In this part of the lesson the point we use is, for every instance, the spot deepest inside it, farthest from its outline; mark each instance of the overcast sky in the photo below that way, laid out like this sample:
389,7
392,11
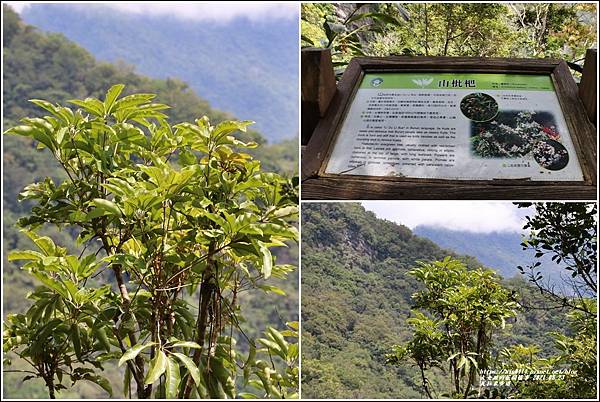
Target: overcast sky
474,216
207,11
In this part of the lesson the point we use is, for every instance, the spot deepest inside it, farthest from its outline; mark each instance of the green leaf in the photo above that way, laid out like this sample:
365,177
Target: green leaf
287,211
473,361
76,338
158,365
172,378
112,94
191,367
95,213
90,105
60,135
132,100
103,339
54,110
43,242
250,361
133,352
127,383
185,344
101,381
267,265
107,206
24,255
274,289
273,347
34,132
276,335
227,127
52,283
24,131
72,289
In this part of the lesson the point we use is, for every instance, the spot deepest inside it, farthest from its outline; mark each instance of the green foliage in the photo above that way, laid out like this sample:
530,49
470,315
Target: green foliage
263,375
344,31
567,232
464,309
354,295
577,356
48,66
163,230
450,29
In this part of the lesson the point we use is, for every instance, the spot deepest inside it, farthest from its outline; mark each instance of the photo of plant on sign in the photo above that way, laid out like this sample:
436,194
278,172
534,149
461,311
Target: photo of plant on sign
515,134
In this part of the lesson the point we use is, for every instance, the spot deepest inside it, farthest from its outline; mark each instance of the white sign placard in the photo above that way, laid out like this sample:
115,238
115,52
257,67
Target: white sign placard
456,126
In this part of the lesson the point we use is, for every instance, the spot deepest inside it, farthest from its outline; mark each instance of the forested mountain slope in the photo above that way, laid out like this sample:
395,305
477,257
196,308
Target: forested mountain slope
356,296
249,68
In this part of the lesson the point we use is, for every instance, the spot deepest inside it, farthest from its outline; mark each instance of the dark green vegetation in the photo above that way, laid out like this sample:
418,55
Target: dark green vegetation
48,66
479,106
451,29
248,68
357,297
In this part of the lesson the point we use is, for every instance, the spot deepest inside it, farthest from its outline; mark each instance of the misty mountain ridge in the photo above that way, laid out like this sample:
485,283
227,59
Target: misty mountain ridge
245,67
499,250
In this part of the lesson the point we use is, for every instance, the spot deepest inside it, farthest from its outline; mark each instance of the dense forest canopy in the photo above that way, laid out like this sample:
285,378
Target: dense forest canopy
557,30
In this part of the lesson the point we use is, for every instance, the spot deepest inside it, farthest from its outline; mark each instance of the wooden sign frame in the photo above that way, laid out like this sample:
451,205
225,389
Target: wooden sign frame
316,184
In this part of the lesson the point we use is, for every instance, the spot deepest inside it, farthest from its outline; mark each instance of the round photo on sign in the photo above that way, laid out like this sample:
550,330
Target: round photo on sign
551,154
479,107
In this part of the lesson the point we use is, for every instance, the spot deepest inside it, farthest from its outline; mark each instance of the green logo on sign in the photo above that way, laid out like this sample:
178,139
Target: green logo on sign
376,82
423,82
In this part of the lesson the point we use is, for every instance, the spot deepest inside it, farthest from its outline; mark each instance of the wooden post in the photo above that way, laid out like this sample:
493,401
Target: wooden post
317,87
588,86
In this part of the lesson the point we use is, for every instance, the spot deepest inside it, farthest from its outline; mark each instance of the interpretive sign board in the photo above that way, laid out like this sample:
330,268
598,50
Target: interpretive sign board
456,126
485,122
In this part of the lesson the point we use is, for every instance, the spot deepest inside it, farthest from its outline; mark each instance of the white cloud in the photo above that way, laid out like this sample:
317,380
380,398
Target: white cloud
473,216
212,11
18,6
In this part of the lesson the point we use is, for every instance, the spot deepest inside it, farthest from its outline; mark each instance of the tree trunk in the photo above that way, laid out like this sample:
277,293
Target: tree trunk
424,380
50,384
448,28
207,288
